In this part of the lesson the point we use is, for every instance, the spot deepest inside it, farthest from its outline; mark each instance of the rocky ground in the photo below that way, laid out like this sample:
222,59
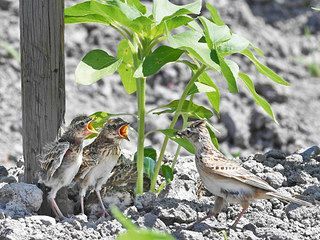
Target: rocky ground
177,208
287,30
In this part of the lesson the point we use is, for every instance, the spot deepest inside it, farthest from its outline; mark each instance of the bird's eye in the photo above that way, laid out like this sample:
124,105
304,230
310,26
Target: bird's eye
188,131
82,124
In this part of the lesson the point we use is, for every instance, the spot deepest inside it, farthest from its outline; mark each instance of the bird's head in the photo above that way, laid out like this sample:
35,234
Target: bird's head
116,128
197,133
80,127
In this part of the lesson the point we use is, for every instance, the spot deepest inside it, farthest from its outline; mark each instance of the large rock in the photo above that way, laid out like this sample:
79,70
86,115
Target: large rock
20,199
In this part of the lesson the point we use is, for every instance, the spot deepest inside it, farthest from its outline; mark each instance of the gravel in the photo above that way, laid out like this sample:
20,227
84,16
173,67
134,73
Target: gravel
287,30
178,207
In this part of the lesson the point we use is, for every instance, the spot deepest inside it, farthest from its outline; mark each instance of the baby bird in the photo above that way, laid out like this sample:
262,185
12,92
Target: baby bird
60,160
224,178
100,157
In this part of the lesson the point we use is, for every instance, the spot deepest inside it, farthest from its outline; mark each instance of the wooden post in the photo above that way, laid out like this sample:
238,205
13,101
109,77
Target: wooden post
42,77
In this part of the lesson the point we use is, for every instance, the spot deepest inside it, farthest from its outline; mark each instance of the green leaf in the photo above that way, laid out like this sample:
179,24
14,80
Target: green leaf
172,134
126,68
150,152
115,12
189,108
215,16
99,119
264,69
148,166
233,67
161,56
133,231
149,161
142,25
257,98
226,71
125,222
203,88
214,33
235,44
167,172
163,9
189,41
120,7
138,5
83,13
170,24
213,97
95,65
144,234
213,137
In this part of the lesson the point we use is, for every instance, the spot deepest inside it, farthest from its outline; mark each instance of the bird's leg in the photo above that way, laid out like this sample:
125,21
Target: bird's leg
104,211
51,198
82,205
82,194
218,205
245,206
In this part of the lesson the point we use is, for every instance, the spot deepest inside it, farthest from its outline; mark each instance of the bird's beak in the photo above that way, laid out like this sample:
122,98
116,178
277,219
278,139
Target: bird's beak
90,129
123,131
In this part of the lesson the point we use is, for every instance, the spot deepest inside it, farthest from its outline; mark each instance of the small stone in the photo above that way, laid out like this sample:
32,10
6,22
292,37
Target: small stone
276,154
249,235
46,220
3,172
259,157
250,227
22,198
278,168
189,235
310,153
5,4
275,179
145,200
9,179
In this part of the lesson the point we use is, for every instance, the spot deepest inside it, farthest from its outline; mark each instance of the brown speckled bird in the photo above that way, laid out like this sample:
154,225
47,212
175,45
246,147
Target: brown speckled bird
226,179
100,157
60,160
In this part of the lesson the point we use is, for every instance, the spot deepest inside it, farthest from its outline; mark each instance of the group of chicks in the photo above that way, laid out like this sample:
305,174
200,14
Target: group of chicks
66,159
91,166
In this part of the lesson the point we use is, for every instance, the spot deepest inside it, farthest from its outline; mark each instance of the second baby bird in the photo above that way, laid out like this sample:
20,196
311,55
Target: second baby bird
100,157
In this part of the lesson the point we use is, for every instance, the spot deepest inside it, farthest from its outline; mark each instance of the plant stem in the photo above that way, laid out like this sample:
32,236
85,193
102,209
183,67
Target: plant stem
141,85
184,125
174,121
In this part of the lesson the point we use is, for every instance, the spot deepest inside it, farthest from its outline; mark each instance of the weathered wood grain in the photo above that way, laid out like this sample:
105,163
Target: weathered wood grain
42,77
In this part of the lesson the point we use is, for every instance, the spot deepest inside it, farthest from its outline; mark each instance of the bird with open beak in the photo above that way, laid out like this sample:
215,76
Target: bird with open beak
61,160
226,179
100,157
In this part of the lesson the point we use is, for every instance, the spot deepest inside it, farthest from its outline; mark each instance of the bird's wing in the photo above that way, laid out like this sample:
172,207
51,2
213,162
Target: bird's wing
89,160
52,157
228,168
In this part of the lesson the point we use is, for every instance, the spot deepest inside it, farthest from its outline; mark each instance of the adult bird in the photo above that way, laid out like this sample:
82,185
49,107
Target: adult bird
100,157
226,179
61,159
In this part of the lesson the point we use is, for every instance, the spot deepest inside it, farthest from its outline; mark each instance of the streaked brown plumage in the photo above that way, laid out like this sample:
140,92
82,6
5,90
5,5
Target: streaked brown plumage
100,157
224,178
61,159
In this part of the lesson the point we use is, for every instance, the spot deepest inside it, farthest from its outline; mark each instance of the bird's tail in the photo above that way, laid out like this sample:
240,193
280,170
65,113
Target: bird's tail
289,199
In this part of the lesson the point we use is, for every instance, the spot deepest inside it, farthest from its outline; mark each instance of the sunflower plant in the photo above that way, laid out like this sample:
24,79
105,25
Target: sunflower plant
149,41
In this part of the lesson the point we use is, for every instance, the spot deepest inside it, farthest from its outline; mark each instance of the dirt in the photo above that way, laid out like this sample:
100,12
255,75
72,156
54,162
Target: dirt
288,32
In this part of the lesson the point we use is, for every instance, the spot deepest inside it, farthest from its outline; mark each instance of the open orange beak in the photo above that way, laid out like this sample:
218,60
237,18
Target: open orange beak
123,131
90,129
